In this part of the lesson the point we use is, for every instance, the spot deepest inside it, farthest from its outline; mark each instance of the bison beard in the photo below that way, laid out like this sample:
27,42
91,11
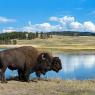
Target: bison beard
56,65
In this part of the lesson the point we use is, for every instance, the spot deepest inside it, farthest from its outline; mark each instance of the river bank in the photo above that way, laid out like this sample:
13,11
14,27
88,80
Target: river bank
49,87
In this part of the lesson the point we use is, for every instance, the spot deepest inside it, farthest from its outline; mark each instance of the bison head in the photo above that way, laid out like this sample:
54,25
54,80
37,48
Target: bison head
56,64
44,62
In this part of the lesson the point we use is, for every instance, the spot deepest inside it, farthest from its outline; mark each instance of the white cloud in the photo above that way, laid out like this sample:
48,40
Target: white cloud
60,24
6,20
54,19
64,22
65,19
76,25
89,26
45,27
8,29
37,27
57,28
27,28
70,23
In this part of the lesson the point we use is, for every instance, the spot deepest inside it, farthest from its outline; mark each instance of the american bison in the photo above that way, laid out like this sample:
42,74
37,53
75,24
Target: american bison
26,60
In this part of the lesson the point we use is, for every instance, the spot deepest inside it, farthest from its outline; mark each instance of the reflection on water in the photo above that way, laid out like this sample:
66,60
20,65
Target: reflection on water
75,66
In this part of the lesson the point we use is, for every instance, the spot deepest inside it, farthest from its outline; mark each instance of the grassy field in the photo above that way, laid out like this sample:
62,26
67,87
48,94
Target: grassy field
50,87
63,42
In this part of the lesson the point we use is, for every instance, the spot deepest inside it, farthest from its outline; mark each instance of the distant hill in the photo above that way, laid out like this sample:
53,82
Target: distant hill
72,33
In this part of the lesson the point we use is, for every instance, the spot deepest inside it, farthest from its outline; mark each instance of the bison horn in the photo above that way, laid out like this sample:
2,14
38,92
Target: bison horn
43,58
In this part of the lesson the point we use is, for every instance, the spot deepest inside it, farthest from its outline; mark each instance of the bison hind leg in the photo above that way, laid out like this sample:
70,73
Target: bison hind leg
2,75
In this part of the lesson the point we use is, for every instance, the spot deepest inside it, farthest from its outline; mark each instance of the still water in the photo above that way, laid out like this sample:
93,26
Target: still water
75,67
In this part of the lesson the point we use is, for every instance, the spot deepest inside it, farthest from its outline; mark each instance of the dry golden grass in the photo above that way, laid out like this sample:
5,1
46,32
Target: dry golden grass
61,41
64,43
50,87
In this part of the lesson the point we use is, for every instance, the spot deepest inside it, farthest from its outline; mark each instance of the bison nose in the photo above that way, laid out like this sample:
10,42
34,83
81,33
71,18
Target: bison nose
60,68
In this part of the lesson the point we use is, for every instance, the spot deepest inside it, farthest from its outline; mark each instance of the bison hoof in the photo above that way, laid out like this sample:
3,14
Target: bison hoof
34,80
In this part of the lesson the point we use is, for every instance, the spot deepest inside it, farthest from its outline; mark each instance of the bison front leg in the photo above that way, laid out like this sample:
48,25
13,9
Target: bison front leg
27,74
27,78
38,75
20,75
3,79
23,75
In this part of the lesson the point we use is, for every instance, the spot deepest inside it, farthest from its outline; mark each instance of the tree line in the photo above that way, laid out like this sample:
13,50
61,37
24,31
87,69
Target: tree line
12,37
72,33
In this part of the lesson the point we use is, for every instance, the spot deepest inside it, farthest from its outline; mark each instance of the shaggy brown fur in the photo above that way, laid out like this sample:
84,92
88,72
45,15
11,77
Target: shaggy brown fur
26,60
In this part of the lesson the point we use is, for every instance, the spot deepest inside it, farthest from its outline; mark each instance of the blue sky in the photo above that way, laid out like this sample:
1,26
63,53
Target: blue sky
47,15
